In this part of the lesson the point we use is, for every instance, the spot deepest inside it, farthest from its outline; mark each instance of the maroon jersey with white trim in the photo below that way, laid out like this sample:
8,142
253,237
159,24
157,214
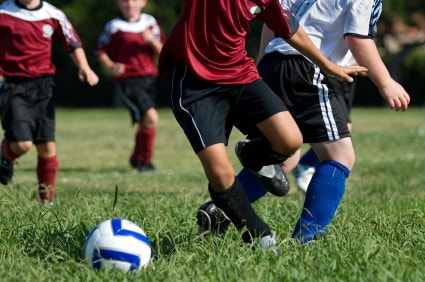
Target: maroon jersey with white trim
26,39
123,42
210,38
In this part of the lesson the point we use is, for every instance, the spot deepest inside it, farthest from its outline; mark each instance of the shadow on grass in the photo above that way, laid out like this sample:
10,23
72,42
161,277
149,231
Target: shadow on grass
72,170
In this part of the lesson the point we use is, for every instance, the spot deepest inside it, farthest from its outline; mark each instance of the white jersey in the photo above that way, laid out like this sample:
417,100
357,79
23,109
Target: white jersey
328,21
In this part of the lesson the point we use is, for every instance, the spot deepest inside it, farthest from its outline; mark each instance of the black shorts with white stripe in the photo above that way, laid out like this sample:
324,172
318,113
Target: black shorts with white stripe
305,91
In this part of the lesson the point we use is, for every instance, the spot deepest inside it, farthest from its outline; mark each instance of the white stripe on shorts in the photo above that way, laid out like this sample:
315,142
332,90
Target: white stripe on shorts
180,100
325,105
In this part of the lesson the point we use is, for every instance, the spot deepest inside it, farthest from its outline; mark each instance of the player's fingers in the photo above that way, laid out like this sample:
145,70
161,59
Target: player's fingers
355,70
404,103
400,104
95,80
81,76
92,79
343,74
391,104
407,97
346,77
88,76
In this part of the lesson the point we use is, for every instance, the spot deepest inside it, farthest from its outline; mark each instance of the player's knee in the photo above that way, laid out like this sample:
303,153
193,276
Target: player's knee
150,119
220,177
21,148
291,145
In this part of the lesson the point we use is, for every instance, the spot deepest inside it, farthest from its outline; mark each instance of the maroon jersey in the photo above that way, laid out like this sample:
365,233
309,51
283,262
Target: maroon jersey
123,42
210,38
26,39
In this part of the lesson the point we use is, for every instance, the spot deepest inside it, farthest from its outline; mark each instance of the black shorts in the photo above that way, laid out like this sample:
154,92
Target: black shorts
138,94
27,110
208,112
344,92
305,92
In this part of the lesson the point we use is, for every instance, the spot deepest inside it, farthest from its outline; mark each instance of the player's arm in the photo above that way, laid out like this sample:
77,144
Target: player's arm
366,54
116,69
155,44
305,46
267,35
85,73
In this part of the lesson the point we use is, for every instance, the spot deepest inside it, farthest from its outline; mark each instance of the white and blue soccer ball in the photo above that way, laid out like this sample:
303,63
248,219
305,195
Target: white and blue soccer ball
117,243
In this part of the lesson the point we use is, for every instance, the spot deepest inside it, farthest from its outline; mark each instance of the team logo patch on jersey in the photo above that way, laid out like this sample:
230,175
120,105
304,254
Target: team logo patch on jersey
47,31
255,11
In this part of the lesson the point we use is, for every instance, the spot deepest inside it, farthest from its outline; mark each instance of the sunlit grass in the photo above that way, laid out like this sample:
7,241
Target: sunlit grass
377,233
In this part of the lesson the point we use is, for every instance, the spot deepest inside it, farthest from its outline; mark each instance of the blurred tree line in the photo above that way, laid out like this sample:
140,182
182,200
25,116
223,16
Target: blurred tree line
90,16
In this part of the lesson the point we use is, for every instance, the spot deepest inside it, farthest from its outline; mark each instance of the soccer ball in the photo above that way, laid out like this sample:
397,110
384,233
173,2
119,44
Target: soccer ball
118,243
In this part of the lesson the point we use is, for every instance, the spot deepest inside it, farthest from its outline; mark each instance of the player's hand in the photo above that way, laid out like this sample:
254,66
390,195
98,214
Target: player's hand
148,35
88,75
345,73
117,69
395,95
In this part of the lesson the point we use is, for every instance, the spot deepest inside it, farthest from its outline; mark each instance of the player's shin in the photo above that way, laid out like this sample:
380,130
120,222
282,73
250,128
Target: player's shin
252,186
322,199
47,168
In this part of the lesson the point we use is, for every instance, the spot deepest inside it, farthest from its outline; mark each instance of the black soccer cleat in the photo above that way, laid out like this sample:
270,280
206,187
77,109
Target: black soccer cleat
238,151
134,164
212,220
142,166
271,176
147,167
273,179
6,170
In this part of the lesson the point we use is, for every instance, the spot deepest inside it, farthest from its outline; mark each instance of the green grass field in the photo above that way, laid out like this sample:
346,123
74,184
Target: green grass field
376,235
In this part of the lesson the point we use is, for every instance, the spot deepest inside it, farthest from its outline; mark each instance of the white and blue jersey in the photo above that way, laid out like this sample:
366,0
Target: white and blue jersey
327,22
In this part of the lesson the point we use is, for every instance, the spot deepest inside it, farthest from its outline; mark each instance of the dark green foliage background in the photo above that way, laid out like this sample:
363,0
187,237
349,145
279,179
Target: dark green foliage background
90,16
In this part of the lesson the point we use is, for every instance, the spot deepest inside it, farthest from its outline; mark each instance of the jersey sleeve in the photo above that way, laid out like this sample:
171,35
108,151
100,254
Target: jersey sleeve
362,17
157,31
67,34
280,20
102,41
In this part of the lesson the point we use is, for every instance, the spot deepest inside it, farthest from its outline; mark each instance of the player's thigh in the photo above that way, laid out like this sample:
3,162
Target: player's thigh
203,111
282,132
136,95
344,93
259,106
43,116
17,122
253,103
312,102
142,92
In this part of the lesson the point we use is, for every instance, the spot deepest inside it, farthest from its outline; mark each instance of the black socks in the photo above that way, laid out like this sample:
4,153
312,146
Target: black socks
236,206
257,153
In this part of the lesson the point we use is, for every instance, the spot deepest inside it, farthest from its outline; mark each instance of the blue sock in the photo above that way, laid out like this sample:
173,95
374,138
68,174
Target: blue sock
252,186
322,199
309,158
